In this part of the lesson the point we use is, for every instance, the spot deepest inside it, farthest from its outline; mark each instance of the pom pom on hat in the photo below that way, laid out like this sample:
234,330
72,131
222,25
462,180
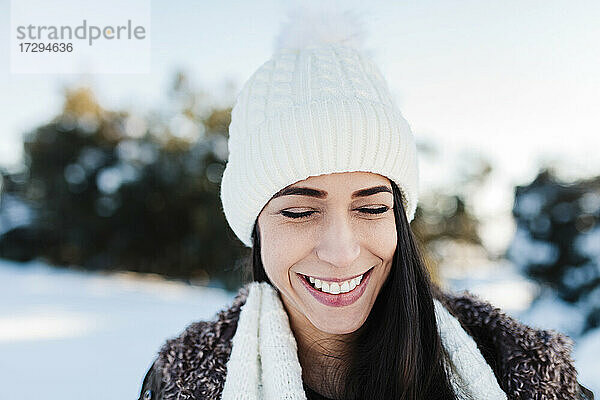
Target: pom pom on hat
320,25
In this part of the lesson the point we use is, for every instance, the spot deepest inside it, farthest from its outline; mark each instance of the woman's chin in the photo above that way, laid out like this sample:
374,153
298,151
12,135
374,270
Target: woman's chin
338,326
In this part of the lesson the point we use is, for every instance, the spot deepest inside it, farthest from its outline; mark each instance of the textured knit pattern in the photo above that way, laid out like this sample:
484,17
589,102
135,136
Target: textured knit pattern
264,320
307,112
528,363
281,369
471,376
263,346
243,370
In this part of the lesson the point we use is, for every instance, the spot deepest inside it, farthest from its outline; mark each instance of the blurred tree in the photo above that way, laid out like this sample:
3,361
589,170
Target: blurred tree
444,222
114,190
557,241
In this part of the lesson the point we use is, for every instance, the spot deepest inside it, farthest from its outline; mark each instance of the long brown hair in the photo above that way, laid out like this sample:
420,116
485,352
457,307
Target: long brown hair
397,352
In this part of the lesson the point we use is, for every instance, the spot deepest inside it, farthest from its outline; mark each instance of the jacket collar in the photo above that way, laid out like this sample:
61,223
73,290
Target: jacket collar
528,363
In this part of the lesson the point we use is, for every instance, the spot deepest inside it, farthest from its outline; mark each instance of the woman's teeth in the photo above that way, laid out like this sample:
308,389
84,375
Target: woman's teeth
334,287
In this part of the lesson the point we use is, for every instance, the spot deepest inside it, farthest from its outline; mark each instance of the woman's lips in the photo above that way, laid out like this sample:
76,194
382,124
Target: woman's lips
341,299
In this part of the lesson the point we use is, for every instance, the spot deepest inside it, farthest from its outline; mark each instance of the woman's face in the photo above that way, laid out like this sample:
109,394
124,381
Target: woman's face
344,231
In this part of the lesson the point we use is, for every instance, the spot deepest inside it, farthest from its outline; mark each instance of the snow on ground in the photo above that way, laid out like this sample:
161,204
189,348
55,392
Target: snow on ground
67,334
77,335
587,352
498,283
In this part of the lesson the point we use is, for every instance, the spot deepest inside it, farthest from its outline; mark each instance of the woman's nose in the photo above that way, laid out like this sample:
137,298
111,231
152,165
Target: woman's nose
338,245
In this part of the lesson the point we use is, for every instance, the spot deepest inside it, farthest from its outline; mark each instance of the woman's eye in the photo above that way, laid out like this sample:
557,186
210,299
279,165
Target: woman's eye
296,215
379,210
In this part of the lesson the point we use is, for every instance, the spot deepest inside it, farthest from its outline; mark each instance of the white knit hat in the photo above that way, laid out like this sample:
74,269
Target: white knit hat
318,106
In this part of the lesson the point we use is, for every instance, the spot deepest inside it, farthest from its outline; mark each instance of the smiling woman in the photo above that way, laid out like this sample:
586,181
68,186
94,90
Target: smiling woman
353,224
321,183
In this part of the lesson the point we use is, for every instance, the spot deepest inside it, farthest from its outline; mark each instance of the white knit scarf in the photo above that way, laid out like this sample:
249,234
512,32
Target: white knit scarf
264,361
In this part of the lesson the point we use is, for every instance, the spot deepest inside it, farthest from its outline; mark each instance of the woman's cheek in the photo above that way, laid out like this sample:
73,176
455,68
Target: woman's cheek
281,248
381,239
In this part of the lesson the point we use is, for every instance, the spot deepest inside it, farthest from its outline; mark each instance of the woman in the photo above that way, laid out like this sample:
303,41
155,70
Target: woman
321,182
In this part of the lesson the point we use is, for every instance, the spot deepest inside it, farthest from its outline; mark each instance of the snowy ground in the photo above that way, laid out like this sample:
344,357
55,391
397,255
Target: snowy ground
73,335
79,335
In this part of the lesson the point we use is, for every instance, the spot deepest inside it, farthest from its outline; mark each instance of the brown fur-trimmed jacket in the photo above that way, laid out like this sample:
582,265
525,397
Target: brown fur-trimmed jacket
528,363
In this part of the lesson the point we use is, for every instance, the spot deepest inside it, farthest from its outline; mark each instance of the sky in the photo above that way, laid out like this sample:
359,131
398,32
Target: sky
517,82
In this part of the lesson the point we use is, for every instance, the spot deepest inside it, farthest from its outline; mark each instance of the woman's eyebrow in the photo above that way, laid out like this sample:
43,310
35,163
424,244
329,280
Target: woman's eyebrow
371,191
321,194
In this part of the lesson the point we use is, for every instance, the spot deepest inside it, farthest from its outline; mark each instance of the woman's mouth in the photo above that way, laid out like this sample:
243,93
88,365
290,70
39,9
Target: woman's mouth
336,294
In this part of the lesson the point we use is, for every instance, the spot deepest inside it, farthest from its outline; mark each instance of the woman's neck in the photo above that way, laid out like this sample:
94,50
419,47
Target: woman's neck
323,356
